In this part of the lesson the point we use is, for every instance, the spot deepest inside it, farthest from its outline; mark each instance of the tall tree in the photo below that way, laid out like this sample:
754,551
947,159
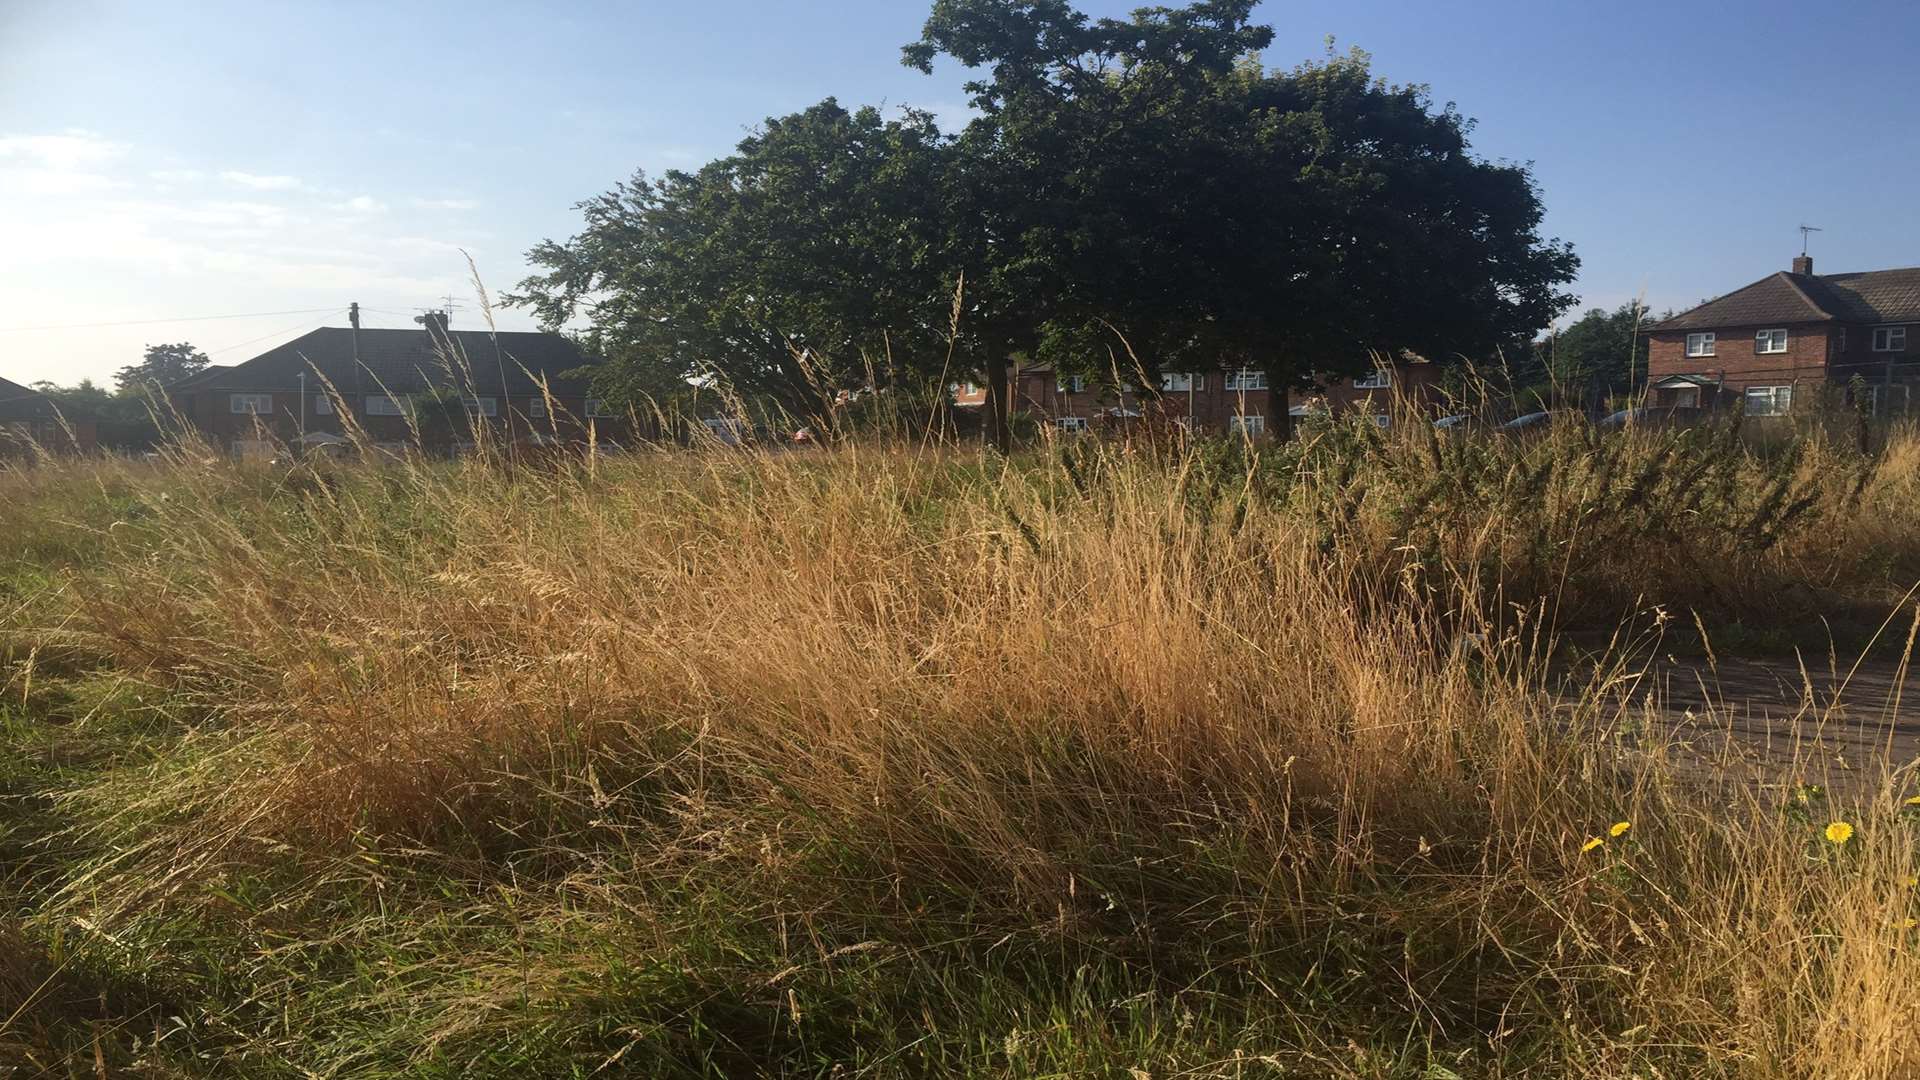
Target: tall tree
788,270
161,365
1597,356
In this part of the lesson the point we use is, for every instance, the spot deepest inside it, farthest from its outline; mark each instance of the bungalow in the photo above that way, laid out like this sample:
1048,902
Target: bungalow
30,419
1769,344
434,381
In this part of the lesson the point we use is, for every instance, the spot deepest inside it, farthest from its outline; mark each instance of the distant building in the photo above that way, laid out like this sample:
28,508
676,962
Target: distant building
1207,402
29,419
1769,344
394,382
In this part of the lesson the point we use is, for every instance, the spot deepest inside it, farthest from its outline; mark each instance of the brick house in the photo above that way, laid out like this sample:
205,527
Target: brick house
29,419
442,382
1213,402
1774,342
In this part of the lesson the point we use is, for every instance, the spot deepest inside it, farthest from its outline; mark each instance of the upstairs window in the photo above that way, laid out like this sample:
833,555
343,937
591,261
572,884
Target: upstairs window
386,405
482,406
1770,341
1379,380
1889,339
251,404
537,408
1769,400
1699,344
599,409
1181,382
1246,380
1071,384
323,405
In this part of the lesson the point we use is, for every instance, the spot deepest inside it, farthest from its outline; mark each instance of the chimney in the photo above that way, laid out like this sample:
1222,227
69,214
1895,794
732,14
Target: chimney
1803,264
435,323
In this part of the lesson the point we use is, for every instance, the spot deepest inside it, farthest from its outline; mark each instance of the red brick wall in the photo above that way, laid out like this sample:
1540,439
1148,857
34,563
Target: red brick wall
1736,363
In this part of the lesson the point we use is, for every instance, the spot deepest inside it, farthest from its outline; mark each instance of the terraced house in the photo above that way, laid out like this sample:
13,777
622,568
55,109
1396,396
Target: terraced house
526,388
30,422
1770,345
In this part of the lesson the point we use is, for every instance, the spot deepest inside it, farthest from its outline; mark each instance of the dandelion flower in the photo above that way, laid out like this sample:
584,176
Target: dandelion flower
1839,832
1619,827
1592,842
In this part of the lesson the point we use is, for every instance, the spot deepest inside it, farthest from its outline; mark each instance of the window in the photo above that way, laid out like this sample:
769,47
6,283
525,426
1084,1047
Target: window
322,405
252,449
1379,380
482,406
1889,339
1074,424
1071,384
965,389
1770,341
600,410
1699,344
1382,420
1183,381
1840,340
1246,380
386,405
251,404
1251,426
1769,400
537,407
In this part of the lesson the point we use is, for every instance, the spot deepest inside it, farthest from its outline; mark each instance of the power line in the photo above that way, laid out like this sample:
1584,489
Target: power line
179,319
301,325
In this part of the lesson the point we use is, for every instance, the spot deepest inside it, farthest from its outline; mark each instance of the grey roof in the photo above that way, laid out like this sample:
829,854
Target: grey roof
23,402
409,361
1874,296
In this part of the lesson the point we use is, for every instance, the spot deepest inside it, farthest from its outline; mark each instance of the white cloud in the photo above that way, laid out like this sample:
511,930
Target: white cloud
70,149
447,204
177,176
362,204
257,182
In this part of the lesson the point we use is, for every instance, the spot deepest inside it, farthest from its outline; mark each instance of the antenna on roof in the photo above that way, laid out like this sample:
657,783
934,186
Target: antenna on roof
1807,231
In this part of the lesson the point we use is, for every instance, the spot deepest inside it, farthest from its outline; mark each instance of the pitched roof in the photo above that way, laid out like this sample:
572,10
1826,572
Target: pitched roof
408,361
18,401
10,390
1875,296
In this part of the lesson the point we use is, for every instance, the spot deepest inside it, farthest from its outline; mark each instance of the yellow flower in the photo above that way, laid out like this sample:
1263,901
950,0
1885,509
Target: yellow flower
1914,801
1909,924
1592,843
1913,882
1839,832
1619,827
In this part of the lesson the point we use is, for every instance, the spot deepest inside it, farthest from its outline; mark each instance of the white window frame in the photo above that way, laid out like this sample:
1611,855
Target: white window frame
1246,379
1073,425
1382,420
1769,342
1778,400
1182,382
1890,339
597,409
1700,344
1381,379
386,405
250,404
537,408
484,406
1840,339
1070,384
322,404
1251,425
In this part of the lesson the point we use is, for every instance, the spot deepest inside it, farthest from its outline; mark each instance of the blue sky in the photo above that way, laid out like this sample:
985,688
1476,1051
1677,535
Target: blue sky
159,161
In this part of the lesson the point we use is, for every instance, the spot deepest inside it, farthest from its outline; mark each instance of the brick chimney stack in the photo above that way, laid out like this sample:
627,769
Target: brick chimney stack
1803,264
435,323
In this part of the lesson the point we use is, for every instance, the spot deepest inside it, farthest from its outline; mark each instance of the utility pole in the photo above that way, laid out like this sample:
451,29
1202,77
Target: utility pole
353,321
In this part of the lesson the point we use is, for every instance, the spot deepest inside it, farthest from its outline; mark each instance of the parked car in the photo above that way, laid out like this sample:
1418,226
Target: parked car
1532,421
1648,417
1448,423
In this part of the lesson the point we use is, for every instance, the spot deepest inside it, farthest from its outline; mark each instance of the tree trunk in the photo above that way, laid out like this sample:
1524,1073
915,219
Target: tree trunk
1279,408
999,427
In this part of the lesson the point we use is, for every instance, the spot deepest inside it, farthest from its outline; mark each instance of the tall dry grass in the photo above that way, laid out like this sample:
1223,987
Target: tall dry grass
918,761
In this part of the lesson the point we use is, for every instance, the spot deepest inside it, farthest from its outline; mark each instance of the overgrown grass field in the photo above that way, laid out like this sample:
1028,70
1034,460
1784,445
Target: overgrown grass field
894,760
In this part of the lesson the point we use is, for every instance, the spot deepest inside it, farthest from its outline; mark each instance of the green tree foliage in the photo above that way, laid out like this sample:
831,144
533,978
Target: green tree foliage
1136,192
1596,358
161,365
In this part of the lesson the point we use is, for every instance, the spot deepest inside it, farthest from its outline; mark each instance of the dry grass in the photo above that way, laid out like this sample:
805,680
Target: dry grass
915,762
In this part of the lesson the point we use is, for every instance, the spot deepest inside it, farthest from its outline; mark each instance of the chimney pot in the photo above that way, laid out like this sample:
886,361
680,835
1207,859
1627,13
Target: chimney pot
1803,264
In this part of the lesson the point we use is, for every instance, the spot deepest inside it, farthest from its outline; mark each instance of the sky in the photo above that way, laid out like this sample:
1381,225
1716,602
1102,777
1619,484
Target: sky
268,163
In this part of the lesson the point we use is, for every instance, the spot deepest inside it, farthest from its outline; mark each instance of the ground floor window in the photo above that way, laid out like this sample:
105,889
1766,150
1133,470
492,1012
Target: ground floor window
1250,426
252,448
1886,400
1769,400
1074,424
